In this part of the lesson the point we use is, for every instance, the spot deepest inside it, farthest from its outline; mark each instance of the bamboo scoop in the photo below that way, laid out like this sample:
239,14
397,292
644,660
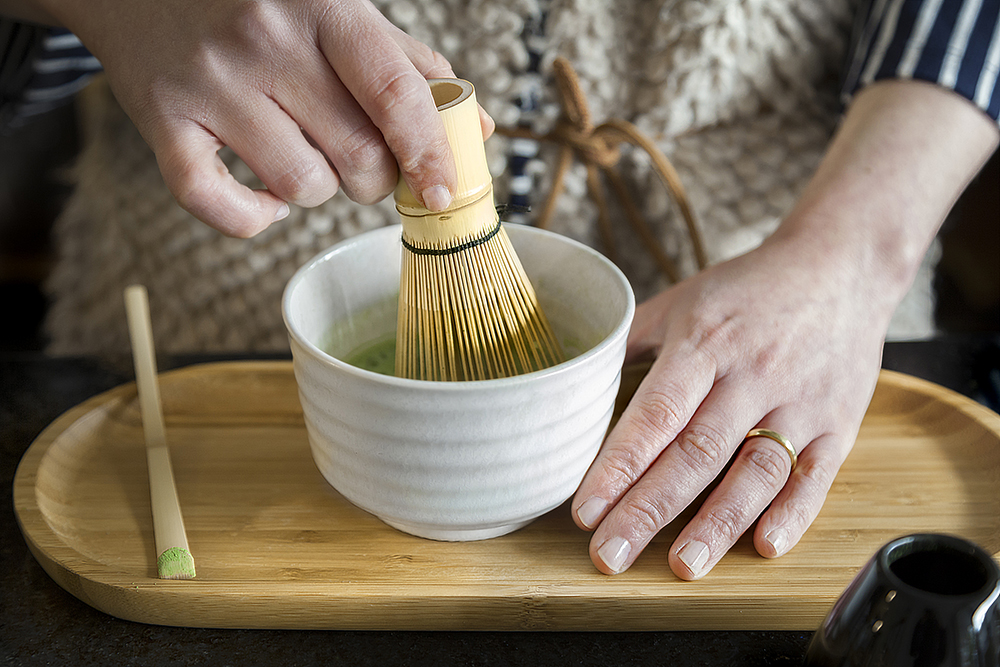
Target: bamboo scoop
173,556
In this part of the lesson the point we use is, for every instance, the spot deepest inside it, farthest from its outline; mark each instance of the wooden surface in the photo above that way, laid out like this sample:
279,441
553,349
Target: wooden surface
276,547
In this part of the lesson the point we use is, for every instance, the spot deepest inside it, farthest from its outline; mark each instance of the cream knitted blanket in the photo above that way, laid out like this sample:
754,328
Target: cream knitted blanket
739,95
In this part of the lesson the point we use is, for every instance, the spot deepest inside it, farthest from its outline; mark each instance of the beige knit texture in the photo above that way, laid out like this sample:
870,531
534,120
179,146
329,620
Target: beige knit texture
739,95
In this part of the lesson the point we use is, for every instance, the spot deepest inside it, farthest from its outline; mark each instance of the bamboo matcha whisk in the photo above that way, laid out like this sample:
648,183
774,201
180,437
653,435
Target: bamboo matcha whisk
467,310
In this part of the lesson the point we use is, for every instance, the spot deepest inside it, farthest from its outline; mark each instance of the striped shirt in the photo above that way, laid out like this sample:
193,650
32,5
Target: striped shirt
953,43
40,69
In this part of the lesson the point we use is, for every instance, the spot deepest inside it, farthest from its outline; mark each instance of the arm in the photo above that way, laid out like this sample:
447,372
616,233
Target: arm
313,95
787,337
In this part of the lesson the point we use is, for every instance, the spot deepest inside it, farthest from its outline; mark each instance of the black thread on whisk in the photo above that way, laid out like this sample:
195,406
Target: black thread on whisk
438,252
502,210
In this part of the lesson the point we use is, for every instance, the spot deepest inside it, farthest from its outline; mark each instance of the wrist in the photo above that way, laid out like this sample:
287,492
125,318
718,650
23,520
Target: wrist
903,155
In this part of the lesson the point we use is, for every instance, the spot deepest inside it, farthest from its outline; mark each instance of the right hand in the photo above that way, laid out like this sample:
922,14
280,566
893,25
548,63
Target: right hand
313,95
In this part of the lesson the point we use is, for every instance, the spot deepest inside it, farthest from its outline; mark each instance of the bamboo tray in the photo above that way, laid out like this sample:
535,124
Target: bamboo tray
276,547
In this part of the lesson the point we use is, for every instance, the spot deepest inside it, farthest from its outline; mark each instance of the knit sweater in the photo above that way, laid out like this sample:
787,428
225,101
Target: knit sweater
741,96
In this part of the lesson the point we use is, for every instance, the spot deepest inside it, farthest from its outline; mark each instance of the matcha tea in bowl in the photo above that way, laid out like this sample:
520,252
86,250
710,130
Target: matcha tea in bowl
459,460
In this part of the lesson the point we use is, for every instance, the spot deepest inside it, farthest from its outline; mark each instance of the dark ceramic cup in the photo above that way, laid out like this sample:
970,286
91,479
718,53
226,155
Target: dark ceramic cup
921,601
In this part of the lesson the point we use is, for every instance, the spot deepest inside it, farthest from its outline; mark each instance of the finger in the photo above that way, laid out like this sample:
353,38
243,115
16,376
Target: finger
395,95
487,123
757,474
681,472
273,146
335,121
200,182
432,65
427,61
662,405
800,500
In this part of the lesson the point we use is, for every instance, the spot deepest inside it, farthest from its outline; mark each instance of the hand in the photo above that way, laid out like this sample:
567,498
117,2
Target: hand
787,337
774,339
313,95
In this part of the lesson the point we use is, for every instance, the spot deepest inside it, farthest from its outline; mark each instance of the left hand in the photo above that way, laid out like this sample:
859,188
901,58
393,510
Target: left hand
782,338
787,337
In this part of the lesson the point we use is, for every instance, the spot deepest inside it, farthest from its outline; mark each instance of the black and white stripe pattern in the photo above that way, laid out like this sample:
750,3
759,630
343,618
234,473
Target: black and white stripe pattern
953,43
40,69
523,161
19,43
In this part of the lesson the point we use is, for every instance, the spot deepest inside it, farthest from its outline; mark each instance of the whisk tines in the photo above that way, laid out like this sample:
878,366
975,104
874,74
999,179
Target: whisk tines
467,310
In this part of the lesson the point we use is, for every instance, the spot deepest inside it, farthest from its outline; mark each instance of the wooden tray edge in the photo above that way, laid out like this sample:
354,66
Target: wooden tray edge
527,610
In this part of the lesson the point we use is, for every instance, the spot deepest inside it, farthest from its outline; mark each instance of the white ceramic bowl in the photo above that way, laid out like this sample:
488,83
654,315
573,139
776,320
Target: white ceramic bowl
455,460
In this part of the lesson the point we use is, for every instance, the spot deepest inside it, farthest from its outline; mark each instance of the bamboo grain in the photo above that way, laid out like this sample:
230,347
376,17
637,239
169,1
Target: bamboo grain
279,548
168,522
467,310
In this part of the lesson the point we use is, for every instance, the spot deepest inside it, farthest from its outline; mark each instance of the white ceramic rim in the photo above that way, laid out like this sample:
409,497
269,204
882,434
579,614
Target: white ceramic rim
440,385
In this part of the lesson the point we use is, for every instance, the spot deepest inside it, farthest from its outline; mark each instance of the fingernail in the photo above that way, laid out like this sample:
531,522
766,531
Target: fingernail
281,213
694,555
614,552
591,511
436,198
778,539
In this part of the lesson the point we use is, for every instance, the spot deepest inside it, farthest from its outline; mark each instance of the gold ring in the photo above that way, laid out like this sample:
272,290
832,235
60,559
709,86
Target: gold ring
778,438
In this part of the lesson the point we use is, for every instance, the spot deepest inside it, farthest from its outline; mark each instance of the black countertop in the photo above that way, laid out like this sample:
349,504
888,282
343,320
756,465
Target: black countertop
41,624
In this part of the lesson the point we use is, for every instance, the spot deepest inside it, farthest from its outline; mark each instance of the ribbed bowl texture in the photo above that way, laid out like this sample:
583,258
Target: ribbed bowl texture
455,460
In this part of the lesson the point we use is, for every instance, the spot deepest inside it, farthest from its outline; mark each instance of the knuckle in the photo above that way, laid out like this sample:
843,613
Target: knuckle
192,190
813,478
405,95
796,515
702,447
658,411
429,63
647,514
431,155
201,197
306,183
712,331
767,361
768,465
817,474
366,194
256,23
801,515
204,193
368,169
212,62
623,464
439,65
399,88
725,521
364,149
